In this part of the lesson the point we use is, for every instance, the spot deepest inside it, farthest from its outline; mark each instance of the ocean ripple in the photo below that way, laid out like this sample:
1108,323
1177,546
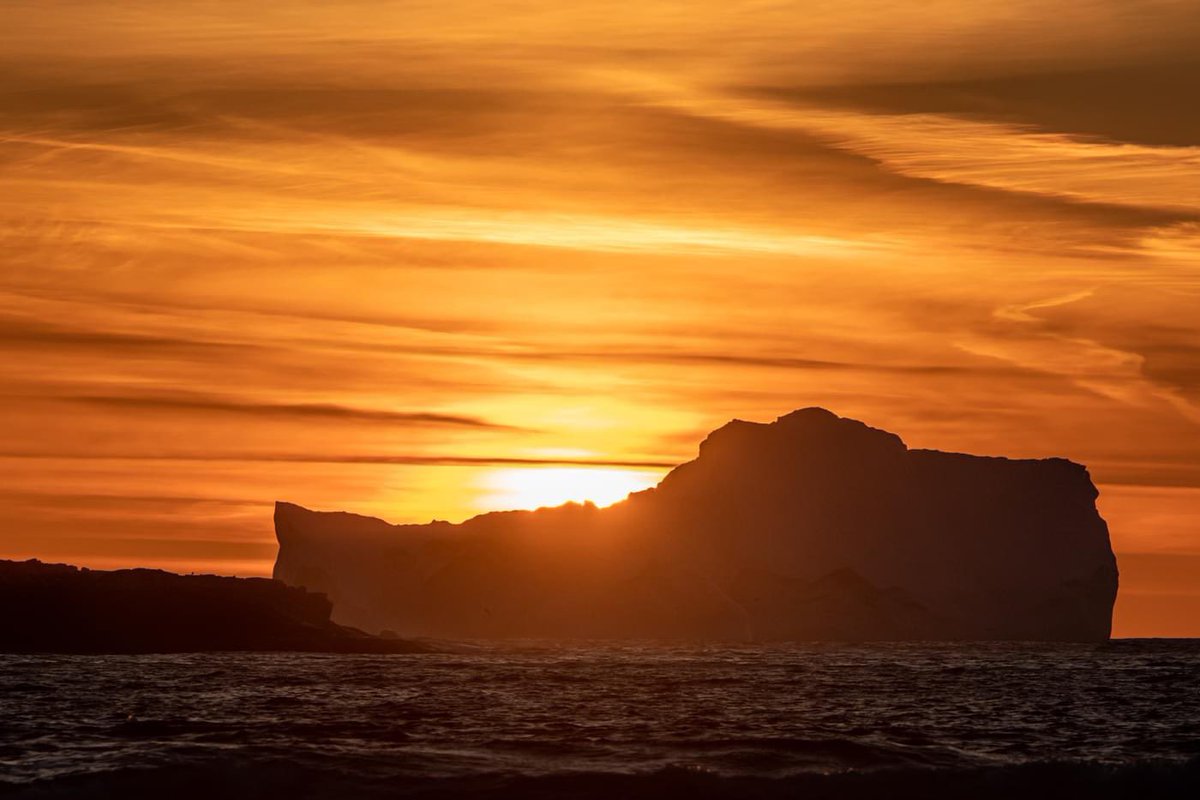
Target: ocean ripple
549,720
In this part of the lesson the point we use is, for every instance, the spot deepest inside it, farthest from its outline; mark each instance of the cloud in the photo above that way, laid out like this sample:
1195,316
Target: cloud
1132,102
971,152
16,332
269,410
1013,158
1131,364
343,458
750,361
130,502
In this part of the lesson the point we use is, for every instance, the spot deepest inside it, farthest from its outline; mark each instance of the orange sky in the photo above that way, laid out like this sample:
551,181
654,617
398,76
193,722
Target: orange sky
420,260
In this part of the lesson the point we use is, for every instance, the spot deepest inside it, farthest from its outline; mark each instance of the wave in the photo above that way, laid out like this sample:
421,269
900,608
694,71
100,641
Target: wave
232,778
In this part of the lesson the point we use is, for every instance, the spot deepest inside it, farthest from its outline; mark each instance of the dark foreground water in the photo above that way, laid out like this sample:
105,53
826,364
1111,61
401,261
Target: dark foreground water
969,721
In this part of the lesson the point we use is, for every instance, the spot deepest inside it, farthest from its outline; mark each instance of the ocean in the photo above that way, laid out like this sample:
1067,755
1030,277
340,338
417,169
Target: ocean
545,720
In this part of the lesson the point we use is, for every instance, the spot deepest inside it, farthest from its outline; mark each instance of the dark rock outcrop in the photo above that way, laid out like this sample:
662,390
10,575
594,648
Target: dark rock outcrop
811,527
56,608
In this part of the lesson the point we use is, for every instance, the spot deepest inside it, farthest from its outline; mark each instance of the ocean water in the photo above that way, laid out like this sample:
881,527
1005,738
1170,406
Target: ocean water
547,720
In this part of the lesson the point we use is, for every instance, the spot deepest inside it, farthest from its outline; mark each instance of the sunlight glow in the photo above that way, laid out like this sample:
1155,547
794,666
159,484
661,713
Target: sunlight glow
528,488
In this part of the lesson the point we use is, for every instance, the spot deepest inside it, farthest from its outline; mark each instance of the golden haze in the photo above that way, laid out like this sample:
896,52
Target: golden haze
425,259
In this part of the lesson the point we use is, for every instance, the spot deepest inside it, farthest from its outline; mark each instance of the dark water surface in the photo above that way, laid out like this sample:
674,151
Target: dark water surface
540,720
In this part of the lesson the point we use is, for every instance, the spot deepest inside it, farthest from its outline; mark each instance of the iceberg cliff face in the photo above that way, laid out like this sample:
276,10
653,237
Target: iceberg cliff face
811,527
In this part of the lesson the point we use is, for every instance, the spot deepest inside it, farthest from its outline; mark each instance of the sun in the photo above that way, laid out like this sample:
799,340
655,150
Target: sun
536,487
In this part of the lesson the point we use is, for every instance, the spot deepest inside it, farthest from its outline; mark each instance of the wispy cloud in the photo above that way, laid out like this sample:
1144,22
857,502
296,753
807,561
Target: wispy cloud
342,458
275,410
29,334
956,149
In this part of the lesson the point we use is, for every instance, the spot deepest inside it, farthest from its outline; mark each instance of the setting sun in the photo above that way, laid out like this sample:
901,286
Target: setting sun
553,486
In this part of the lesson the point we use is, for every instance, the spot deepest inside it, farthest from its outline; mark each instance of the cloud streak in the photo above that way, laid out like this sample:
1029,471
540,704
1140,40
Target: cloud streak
368,459
971,152
276,410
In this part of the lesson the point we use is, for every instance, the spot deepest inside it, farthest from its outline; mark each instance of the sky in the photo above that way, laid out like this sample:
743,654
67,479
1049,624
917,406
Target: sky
426,259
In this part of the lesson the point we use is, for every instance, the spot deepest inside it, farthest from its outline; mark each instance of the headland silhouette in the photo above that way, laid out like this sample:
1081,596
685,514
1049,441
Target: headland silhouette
64,609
